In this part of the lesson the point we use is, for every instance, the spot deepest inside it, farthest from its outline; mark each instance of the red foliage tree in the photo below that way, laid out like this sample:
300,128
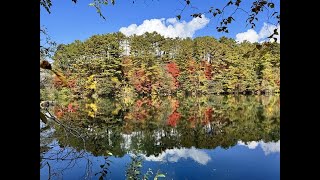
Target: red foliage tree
141,82
58,112
208,70
173,69
173,119
71,108
207,116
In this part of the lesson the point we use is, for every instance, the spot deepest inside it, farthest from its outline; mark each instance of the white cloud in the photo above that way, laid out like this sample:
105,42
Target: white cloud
173,155
252,36
271,147
168,28
268,148
172,20
250,145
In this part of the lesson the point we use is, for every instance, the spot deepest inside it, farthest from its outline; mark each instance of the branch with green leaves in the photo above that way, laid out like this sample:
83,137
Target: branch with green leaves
97,4
256,8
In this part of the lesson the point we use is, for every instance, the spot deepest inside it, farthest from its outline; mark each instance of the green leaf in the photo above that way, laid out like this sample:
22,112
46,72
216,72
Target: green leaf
229,19
271,5
161,175
238,2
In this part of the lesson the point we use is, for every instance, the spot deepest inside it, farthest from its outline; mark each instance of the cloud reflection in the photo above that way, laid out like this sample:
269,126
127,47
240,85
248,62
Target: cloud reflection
173,155
268,148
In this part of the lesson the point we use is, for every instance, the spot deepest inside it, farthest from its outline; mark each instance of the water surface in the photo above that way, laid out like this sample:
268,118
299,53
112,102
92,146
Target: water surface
209,137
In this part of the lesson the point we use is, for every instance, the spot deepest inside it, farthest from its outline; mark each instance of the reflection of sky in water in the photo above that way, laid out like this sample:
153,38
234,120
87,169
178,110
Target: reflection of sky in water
268,148
201,157
251,160
173,155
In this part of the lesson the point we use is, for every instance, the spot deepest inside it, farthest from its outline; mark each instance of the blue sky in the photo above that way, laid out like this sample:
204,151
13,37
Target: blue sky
68,21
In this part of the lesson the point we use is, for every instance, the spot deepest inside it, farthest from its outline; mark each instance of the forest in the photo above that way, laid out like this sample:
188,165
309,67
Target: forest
113,65
141,106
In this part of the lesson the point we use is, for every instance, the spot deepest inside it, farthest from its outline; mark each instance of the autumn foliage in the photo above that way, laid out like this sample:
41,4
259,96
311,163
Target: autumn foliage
173,69
173,119
141,81
152,64
208,70
57,82
72,108
207,116
60,111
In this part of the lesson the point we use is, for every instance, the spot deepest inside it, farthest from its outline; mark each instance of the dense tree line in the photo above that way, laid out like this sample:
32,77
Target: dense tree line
113,64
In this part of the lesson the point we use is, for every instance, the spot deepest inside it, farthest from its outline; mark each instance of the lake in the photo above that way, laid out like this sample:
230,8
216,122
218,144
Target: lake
207,137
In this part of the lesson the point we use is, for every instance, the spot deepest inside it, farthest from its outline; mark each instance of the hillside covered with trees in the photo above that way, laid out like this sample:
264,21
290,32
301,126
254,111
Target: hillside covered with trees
116,65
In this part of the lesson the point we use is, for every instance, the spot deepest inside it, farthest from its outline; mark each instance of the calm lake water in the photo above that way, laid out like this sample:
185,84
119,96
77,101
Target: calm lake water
209,137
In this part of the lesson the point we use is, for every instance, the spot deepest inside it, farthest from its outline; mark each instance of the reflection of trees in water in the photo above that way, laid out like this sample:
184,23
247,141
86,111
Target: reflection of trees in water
57,158
59,161
155,125
205,122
